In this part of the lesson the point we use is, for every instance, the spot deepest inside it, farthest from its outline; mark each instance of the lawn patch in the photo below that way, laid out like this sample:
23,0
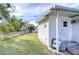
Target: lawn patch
27,44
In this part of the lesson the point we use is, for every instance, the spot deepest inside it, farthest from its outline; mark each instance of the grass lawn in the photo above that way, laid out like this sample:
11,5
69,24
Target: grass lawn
27,44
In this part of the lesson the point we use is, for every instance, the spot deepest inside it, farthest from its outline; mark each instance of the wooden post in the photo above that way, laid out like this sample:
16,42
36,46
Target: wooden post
57,34
70,30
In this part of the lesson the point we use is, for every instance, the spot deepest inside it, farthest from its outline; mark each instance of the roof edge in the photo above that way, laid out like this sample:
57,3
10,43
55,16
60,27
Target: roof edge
60,8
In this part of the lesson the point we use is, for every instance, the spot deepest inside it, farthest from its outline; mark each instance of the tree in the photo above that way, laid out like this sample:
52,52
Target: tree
4,12
13,24
31,28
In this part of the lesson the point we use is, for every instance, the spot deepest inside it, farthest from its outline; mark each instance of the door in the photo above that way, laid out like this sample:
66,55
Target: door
64,29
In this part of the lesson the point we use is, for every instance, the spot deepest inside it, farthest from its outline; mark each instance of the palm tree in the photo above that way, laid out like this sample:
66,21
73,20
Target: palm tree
4,12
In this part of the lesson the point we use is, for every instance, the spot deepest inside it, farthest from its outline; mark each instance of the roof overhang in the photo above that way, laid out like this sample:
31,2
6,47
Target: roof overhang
62,8
43,16
59,8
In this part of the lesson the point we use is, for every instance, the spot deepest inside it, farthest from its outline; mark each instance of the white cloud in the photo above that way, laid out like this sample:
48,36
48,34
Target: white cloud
24,10
29,11
36,9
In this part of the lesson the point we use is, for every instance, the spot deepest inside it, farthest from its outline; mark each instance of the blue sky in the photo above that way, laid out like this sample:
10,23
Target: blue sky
32,11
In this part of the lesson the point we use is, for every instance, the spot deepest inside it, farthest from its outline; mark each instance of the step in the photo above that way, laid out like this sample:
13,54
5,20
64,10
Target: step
54,43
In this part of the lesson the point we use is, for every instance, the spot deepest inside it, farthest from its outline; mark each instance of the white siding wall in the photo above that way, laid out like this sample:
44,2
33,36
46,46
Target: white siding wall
64,32
75,30
48,33
52,28
43,34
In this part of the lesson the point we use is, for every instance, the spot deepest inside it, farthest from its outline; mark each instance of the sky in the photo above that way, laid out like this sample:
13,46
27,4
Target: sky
33,11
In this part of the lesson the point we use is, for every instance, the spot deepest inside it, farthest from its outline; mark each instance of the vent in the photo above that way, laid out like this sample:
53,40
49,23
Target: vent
73,21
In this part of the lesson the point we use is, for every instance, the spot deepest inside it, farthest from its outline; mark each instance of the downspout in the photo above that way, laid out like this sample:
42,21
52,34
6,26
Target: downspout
57,33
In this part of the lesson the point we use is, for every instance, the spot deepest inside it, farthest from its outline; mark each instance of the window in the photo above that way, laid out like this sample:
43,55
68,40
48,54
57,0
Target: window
65,24
73,21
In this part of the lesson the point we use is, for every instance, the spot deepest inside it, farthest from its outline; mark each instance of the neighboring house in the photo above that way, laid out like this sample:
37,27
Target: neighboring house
57,25
24,29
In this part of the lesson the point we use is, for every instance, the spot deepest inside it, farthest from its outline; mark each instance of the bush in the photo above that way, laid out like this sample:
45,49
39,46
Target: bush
13,24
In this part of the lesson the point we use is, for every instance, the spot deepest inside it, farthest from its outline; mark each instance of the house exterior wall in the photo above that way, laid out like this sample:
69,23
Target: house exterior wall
47,34
43,33
52,28
64,32
75,30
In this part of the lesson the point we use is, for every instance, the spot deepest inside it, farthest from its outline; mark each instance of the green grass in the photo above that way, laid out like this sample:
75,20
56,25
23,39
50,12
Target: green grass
27,44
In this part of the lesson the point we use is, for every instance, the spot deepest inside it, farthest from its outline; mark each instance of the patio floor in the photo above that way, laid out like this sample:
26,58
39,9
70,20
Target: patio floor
73,48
